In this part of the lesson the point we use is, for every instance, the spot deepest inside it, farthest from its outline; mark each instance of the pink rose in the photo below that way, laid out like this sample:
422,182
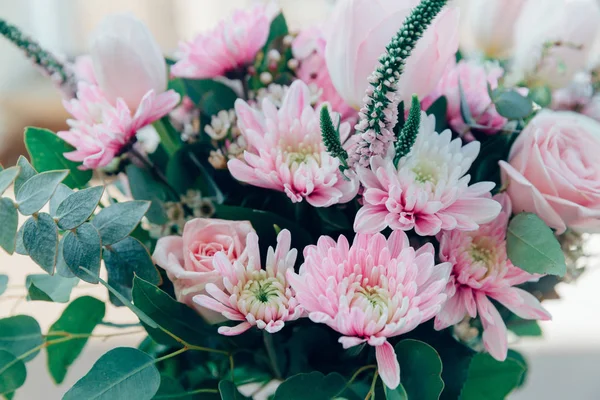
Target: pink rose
554,171
188,260
360,30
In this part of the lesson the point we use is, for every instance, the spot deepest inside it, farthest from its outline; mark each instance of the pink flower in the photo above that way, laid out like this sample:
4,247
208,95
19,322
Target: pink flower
360,30
474,78
188,260
554,171
371,291
309,48
286,151
481,270
84,69
231,45
258,297
428,191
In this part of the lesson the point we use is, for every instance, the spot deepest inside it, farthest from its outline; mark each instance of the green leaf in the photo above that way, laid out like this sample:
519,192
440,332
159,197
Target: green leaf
510,104
490,379
78,207
116,222
8,228
126,259
519,358
542,95
55,288
421,370
79,318
277,29
20,246
7,177
524,327
61,193
26,173
439,110
19,335
395,394
62,268
210,96
171,315
82,248
121,374
321,387
333,219
263,222
3,283
12,373
47,154
40,239
229,391
170,138
465,109
532,246
144,187
37,191
140,314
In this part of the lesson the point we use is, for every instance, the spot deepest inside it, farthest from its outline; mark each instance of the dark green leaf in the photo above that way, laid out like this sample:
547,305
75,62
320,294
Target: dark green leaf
7,177
61,193
490,379
144,187
524,327
78,207
121,374
27,172
47,154
532,246
277,29
62,268
116,222
421,370
82,248
3,283
210,96
321,387
518,357
126,259
12,373
229,391
37,191
20,246
40,239
511,104
19,335
9,218
439,109
79,318
396,394
465,110
140,314
170,138
171,315
50,288
333,219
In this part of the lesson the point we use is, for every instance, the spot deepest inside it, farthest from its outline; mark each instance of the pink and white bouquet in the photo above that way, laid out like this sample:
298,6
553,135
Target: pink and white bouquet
368,209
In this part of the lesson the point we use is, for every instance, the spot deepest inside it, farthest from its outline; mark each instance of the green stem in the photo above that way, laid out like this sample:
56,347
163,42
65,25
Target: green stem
371,393
270,346
174,354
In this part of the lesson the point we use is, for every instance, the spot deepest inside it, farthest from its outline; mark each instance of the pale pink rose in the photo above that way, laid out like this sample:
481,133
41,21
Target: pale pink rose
286,151
251,295
474,78
481,270
487,26
309,49
566,28
188,260
554,171
231,45
361,29
428,189
370,291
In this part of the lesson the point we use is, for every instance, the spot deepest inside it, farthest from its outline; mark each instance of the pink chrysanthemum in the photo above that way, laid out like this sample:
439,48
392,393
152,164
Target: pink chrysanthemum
371,291
286,151
231,45
102,129
258,297
428,191
481,270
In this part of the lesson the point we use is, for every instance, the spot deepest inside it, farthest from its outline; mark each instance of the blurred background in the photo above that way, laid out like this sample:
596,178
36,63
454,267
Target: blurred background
563,364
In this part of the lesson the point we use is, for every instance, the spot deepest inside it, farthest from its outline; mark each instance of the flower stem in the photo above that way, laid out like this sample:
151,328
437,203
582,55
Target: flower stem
270,346
371,393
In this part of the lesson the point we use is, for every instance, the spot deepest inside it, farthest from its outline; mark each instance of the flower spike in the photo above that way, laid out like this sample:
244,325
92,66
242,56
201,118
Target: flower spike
379,114
407,136
331,138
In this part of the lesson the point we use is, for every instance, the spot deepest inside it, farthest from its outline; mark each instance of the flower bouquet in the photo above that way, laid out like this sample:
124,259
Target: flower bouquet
355,211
